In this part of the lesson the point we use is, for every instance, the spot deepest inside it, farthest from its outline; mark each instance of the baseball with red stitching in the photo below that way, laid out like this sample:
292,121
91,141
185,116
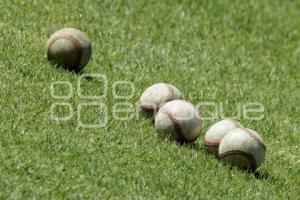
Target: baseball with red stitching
178,120
216,132
157,95
242,148
69,48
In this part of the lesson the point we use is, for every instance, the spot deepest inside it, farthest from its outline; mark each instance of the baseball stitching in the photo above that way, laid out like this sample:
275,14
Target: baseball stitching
170,95
249,157
76,44
257,140
176,125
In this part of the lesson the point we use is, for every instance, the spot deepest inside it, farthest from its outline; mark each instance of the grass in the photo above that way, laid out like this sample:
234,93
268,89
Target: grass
227,52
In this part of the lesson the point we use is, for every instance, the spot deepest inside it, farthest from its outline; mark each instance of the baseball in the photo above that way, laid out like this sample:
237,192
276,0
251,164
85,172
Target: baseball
216,132
157,95
242,148
178,120
69,48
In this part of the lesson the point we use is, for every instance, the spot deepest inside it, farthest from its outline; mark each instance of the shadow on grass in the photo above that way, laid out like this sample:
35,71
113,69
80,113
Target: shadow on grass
251,173
256,174
78,71
147,115
262,175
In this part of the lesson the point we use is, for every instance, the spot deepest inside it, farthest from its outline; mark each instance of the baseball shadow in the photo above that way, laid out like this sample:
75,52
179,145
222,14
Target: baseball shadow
256,174
83,71
252,173
262,175
147,115
67,69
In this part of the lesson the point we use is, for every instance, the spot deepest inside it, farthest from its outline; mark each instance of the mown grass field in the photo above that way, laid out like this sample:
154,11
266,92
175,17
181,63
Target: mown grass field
226,52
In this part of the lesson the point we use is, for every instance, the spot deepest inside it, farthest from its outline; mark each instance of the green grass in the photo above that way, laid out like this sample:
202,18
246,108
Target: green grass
242,51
